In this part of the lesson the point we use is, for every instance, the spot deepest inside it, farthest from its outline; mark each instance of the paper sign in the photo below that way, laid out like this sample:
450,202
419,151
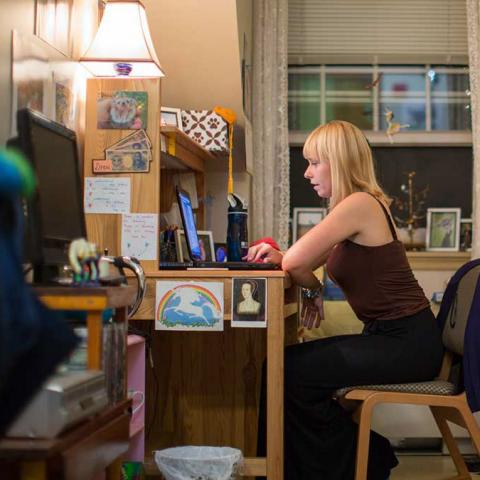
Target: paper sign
139,235
189,306
102,166
107,195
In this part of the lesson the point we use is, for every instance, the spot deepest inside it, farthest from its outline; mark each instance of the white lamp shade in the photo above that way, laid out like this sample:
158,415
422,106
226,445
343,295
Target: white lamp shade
123,37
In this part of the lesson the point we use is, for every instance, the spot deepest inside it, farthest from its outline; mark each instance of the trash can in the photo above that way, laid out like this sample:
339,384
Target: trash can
199,463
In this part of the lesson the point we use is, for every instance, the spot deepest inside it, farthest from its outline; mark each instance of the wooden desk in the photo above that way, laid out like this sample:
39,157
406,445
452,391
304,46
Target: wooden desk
93,300
78,454
208,408
94,444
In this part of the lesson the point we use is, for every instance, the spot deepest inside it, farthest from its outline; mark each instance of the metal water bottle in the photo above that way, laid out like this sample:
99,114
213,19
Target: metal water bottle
237,233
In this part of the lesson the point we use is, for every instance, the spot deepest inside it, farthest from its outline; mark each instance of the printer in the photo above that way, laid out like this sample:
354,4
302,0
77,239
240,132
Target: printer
65,399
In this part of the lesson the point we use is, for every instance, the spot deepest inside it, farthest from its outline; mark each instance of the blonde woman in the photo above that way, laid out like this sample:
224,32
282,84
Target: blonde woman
357,241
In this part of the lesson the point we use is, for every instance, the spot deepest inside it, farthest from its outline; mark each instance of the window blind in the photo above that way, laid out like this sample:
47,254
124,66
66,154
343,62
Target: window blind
377,31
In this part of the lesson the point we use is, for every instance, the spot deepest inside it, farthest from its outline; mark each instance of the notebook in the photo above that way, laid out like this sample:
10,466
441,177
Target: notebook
193,244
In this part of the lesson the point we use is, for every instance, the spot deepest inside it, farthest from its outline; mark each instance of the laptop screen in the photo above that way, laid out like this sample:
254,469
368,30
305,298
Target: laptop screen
188,219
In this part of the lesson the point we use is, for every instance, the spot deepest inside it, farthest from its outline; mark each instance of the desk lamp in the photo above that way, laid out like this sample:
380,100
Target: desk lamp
123,45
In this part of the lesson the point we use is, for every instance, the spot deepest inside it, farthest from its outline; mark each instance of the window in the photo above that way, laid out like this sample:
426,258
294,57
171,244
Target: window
426,98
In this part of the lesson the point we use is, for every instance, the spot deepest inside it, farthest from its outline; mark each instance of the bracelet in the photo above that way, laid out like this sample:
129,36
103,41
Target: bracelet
311,293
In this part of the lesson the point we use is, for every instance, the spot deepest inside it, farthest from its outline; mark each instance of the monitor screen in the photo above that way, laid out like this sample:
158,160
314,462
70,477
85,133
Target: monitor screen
56,210
188,220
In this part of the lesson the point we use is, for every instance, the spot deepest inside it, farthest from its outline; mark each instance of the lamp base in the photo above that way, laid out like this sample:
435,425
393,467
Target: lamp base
123,69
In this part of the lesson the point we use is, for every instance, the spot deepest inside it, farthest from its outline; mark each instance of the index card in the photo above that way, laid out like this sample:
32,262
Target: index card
107,195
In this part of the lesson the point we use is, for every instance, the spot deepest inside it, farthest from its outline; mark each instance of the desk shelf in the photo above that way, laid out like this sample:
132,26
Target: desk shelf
180,145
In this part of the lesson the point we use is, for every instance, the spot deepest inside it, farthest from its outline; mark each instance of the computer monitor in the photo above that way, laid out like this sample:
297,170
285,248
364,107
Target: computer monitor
188,219
54,216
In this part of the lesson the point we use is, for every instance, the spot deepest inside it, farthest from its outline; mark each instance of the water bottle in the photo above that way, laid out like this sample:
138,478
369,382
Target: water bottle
237,233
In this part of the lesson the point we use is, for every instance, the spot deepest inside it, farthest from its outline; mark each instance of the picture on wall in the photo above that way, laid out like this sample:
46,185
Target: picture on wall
123,110
466,230
47,81
305,218
443,229
207,249
187,305
249,302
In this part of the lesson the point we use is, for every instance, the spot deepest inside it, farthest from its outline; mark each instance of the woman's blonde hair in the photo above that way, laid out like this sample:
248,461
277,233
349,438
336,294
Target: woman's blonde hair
346,149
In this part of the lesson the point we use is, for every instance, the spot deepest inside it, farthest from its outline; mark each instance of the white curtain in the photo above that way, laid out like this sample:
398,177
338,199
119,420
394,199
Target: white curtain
473,23
271,185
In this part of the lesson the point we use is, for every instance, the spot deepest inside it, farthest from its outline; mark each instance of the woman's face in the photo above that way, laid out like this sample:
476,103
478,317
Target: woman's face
320,177
246,290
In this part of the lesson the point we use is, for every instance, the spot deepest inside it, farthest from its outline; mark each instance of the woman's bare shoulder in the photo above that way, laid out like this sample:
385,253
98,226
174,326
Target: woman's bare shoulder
358,201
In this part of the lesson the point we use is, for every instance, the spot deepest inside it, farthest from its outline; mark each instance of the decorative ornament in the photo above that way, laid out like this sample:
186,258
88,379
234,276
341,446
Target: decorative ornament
393,127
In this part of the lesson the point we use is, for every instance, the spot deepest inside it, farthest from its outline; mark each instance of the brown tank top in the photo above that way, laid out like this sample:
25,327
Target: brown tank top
377,281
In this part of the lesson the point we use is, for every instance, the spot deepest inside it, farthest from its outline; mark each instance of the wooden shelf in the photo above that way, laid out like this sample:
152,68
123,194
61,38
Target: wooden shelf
437,260
169,162
179,143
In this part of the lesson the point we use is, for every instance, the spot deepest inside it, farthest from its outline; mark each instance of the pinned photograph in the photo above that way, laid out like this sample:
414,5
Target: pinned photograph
188,306
443,229
249,302
124,110
304,219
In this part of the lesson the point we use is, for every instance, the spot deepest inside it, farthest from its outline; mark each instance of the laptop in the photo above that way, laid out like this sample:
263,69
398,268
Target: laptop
193,244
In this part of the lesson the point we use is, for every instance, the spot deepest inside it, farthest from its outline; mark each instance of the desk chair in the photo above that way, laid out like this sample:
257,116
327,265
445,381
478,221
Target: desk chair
443,397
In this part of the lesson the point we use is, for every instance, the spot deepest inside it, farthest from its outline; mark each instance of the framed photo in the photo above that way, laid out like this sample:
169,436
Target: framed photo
172,117
466,229
249,302
305,218
443,229
205,238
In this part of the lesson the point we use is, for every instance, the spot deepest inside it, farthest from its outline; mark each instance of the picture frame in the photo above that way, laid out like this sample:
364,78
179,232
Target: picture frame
443,229
305,218
206,240
249,302
466,229
171,116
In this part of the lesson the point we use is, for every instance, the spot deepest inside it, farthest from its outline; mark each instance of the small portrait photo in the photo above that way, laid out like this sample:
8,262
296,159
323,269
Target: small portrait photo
249,302
466,230
123,110
443,229
205,238
305,218
171,117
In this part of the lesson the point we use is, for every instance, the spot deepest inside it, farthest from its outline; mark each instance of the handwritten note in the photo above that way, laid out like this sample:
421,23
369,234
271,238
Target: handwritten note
107,195
139,235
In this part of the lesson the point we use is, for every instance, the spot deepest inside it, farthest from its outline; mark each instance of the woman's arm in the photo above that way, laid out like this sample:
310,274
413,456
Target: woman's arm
347,219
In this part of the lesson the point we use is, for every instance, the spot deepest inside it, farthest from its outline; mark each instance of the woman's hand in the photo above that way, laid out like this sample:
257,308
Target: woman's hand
264,253
312,312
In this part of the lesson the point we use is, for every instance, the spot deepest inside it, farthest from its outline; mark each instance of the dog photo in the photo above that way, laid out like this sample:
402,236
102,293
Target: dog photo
123,110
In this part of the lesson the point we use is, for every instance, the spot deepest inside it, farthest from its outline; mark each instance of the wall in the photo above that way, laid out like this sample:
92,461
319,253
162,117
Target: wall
197,42
19,15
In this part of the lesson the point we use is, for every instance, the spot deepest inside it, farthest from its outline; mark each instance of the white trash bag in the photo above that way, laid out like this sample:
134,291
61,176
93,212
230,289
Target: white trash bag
198,463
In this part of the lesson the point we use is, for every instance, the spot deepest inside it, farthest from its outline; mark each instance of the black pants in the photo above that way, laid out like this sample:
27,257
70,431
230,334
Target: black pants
320,436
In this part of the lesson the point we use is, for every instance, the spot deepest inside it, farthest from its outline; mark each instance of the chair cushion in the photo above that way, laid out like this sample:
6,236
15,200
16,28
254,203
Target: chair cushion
434,387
